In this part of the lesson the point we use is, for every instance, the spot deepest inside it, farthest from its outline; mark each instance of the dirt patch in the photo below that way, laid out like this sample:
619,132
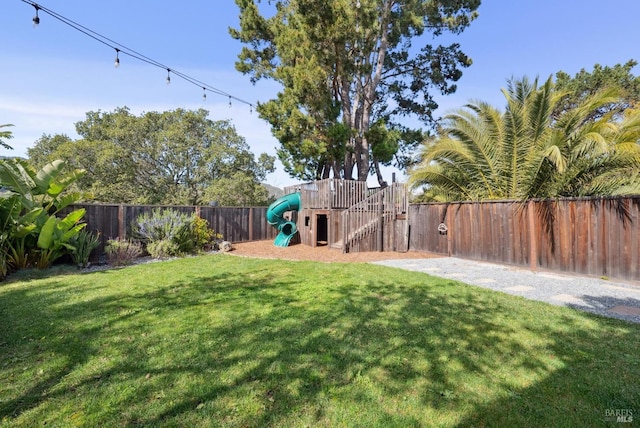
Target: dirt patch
266,250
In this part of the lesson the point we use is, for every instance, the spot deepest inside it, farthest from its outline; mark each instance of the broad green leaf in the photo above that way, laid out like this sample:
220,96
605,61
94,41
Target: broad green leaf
68,199
71,177
69,234
72,218
46,237
31,216
24,230
48,175
14,176
55,189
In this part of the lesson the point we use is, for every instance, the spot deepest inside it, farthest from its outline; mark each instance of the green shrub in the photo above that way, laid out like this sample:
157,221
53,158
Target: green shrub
167,232
122,252
31,210
162,249
165,224
203,236
55,236
83,244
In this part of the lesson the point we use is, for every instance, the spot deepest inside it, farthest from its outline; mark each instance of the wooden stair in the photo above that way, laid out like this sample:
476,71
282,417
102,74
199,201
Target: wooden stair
369,217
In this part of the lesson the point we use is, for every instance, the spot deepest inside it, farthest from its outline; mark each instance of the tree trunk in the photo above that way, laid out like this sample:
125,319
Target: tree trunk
363,160
381,181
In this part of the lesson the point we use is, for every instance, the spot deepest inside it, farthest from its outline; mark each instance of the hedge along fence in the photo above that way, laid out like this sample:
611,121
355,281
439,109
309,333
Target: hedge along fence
595,236
236,224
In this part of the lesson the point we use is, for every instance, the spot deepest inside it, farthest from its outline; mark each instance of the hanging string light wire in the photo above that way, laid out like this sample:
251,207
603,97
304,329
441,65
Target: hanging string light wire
122,49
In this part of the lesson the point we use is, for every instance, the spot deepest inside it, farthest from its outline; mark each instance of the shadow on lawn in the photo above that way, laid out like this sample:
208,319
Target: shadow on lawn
32,329
350,351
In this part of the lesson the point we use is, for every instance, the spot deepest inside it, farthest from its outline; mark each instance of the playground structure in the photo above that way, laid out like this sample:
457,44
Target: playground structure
344,215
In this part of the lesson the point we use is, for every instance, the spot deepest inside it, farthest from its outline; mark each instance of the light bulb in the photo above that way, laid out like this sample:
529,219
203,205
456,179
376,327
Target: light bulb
168,76
117,61
36,19
204,95
229,101
358,4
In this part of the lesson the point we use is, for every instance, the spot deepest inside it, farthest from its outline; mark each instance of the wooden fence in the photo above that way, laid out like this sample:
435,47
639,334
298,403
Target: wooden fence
596,237
236,224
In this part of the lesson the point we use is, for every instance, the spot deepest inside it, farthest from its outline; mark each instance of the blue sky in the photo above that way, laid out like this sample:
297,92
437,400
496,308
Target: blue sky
52,75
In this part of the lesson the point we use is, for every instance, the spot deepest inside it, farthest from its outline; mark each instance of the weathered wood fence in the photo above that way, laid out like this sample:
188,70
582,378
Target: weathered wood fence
596,236
236,224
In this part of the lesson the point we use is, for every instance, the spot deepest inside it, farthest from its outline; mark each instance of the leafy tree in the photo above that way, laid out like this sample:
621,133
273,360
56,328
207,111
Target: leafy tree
5,135
45,148
344,66
238,190
482,153
585,84
110,173
167,157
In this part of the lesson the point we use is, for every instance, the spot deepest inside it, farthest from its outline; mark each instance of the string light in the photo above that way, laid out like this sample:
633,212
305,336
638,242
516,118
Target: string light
204,94
122,49
36,19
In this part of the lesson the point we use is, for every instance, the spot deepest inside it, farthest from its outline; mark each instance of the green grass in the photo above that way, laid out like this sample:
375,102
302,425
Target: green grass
227,341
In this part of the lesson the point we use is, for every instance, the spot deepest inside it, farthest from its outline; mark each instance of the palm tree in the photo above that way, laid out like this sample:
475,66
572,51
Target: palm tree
482,153
6,135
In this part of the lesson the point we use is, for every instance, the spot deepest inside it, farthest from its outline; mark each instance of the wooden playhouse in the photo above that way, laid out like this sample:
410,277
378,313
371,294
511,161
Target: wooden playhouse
349,216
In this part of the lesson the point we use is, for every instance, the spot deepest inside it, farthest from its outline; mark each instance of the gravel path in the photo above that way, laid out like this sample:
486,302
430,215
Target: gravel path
605,297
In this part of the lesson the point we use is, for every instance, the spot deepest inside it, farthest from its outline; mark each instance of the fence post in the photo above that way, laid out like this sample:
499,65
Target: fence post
406,230
380,219
449,230
121,225
533,244
345,228
394,213
250,223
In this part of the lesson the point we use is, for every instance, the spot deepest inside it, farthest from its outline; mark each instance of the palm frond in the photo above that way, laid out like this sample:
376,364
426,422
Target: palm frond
528,151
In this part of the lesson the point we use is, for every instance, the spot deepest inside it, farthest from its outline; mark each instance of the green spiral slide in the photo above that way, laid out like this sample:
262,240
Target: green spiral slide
287,229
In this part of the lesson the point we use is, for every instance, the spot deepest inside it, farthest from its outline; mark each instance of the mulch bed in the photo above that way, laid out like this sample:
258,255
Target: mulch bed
266,250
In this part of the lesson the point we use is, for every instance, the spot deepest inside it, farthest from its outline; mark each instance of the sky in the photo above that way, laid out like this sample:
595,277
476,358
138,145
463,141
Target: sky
51,75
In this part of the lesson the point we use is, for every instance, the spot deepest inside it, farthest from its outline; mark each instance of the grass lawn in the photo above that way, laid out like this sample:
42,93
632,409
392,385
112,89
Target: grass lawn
220,340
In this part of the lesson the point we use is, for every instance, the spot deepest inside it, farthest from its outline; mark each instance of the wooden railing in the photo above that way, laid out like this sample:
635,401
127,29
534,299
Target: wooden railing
368,217
330,193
